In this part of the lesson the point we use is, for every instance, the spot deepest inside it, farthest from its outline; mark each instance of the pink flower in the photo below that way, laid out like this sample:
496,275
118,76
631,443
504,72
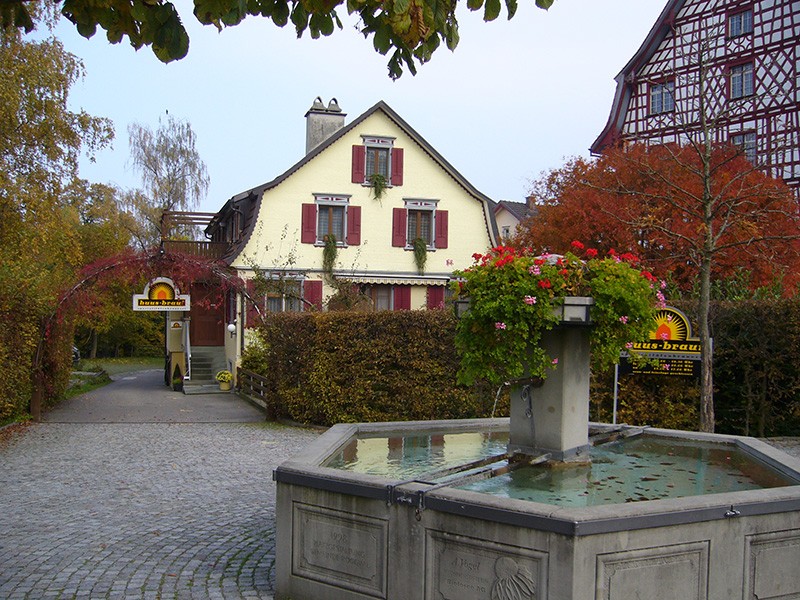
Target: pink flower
449,262
664,336
629,345
661,300
555,361
499,325
665,366
663,284
534,270
623,320
530,300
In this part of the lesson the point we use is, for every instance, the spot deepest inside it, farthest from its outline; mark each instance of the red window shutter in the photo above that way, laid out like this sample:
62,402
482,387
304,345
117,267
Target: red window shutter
308,227
353,237
435,296
359,164
402,297
312,294
397,166
399,217
441,229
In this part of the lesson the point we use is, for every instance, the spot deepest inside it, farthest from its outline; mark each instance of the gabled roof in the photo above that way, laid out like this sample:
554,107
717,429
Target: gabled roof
626,77
254,195
518,209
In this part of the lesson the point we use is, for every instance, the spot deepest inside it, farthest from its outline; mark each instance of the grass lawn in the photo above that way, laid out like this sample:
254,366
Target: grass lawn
114,366
94,373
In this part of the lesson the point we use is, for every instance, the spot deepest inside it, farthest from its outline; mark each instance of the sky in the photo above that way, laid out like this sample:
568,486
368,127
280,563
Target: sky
514,100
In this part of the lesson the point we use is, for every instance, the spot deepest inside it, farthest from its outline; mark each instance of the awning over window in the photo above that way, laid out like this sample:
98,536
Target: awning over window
393,280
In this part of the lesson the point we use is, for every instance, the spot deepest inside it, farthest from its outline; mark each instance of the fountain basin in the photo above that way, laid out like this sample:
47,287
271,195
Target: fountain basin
345,534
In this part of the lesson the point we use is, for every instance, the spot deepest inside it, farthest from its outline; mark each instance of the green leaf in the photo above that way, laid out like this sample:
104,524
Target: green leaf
511,7
492,10
382,40
474,4
545,4
280,13
299,18
401,6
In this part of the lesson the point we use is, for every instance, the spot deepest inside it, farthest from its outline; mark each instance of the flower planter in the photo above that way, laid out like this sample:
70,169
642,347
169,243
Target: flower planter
225,386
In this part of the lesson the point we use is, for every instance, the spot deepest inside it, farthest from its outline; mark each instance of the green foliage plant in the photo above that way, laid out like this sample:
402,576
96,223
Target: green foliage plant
378,184
420,254
408,30
331,367
514,297
329,252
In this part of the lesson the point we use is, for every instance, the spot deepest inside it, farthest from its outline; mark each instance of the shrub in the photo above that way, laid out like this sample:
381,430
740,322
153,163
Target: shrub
334,367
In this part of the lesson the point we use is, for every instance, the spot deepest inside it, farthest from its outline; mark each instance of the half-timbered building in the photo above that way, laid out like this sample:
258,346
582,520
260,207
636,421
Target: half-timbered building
728,68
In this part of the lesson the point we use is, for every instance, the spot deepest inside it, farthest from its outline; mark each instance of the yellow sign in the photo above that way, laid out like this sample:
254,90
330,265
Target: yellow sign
671,349
161,294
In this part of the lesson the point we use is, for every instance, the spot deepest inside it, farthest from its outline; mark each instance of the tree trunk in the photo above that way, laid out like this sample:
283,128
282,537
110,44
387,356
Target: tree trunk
706,349
93,351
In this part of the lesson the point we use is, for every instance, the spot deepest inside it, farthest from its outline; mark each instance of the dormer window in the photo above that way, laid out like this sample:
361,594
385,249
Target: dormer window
377,156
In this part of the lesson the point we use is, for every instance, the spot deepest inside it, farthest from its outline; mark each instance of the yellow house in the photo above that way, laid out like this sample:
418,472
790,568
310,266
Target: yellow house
372,189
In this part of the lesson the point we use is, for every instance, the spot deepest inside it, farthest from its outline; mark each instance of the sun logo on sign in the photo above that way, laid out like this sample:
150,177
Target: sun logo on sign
669,326
161,291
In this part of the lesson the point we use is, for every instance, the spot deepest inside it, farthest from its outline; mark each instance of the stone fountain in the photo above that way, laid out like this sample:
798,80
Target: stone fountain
530,507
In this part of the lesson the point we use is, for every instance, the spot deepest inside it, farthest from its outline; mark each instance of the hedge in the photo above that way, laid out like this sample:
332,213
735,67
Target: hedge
334,367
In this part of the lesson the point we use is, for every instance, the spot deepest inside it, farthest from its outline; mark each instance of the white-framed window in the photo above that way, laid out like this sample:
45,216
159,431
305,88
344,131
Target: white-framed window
747,142
331,217
741,80
378,157
740,23
420,221
662,97
282,295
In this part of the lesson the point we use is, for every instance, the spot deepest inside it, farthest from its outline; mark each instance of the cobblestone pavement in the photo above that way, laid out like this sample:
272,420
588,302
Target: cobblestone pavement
141,510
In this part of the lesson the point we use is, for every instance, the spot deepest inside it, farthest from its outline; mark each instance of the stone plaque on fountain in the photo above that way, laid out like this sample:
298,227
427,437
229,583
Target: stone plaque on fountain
334,546
464,568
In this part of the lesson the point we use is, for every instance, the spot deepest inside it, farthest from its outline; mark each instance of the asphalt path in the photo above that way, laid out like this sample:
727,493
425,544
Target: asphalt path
135,491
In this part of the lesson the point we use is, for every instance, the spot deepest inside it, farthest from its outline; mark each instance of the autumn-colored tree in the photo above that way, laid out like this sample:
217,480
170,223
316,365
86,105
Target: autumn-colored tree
647,202
694,213
411,29
40,240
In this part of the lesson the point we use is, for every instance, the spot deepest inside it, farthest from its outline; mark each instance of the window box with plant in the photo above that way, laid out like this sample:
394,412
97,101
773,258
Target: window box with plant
515,297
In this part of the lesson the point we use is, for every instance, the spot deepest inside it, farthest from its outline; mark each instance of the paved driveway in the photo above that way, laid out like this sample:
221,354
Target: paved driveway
135,491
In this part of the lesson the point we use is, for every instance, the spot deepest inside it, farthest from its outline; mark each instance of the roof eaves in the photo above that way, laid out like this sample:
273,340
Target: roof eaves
622,96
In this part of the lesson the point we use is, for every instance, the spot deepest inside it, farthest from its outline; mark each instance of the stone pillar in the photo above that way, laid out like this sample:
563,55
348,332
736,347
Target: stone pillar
554,416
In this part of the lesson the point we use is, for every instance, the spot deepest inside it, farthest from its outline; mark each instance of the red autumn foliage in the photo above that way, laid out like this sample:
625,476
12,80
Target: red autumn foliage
650,202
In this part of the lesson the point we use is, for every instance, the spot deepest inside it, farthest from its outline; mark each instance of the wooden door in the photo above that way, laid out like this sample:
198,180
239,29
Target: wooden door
207,327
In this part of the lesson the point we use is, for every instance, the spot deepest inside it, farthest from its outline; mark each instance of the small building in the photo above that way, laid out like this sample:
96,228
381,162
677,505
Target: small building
735,61
509,215
371,206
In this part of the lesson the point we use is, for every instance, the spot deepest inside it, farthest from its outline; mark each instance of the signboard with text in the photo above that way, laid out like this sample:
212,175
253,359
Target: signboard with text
670,351
161,294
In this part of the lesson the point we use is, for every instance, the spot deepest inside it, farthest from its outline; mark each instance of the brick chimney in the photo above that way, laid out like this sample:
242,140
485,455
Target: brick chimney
322,122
